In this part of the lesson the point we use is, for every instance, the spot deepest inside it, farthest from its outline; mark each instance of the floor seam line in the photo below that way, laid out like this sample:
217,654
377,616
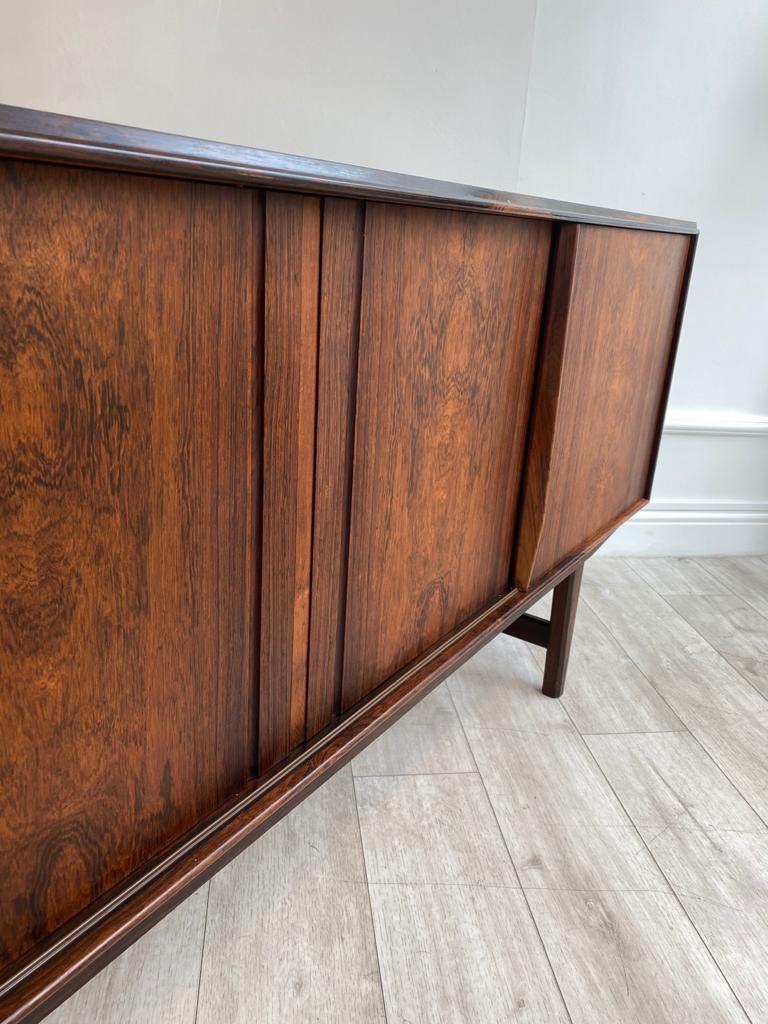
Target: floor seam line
514,868
664,875
202,952
370,901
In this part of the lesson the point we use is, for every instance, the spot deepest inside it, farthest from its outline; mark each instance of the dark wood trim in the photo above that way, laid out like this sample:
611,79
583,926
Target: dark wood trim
531,628
56,138
341,277
35,985
554,634
662,413
291,305
565,600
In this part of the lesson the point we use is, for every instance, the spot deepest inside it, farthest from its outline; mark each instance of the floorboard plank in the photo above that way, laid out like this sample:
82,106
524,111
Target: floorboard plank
500,688
667,780
605,691
674,576
428,739
562,823
631,958
747,577
721,878
719,707
735,630
289,933
431,828
154,980
454,954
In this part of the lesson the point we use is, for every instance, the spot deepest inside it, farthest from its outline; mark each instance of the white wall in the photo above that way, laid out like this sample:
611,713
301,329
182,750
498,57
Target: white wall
652,106
432,87
662,107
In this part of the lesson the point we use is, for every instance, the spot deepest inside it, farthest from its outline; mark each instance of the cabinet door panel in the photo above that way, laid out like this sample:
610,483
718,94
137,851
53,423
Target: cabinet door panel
128,436
604,366
338,335
292,260
451,306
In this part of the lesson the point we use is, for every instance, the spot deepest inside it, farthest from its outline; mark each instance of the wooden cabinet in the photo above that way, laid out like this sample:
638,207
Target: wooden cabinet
282,443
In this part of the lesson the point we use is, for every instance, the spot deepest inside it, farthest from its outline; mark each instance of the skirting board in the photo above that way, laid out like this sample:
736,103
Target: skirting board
710,496
690,527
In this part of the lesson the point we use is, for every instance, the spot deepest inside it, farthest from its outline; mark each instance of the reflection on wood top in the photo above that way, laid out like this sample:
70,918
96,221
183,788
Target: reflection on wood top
57,138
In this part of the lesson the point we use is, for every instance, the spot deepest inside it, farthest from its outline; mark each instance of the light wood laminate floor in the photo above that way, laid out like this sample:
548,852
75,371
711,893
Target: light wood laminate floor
498,856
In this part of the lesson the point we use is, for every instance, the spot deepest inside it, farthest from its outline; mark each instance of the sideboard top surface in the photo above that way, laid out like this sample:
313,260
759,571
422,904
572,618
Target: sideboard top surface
57,138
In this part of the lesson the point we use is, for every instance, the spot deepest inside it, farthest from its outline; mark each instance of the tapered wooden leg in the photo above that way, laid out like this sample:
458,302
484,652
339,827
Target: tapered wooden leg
565,599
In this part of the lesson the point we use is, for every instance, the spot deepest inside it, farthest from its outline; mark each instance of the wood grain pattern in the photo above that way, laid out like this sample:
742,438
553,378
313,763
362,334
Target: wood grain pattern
450,310
674,576
594,699
289,935
429,740
734,628
431,829
340,283
721,880
665,780
742,576
462,953
126,432
155,980
562,824
610,331
631,956
292,253
260,456
724,712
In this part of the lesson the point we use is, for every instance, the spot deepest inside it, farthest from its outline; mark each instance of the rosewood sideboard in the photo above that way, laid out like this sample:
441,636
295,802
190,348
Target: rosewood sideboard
282,443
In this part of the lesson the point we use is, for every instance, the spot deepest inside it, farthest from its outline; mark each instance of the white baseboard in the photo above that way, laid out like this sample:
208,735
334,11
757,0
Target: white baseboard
690,527
716,424
715,466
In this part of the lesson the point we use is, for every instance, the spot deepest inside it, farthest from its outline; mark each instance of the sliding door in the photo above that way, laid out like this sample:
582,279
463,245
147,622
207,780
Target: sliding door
450,312
129,440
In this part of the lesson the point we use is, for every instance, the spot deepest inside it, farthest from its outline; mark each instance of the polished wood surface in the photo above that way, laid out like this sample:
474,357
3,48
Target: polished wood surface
606,352
59,138
565,600
292,252
451,306
273,462
126,511
338,339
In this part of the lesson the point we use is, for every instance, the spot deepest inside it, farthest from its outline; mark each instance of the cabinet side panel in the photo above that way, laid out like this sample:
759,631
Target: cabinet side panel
291,272
127,339
341,262
605,360
451,307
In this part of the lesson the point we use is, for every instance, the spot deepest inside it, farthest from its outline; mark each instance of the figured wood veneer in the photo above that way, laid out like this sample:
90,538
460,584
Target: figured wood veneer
282,443
127,426
337,354
605,361
291,256
451,305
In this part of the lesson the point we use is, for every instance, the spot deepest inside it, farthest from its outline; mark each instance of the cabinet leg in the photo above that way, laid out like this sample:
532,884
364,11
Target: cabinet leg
565,599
